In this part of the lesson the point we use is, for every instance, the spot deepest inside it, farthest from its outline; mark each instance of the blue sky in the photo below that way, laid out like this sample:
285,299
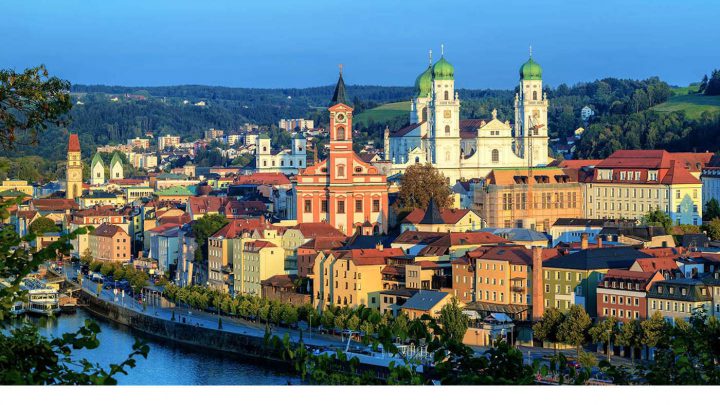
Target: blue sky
286,43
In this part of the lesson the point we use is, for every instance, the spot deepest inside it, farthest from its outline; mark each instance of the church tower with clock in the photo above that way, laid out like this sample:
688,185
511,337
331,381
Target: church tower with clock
343,190
73,184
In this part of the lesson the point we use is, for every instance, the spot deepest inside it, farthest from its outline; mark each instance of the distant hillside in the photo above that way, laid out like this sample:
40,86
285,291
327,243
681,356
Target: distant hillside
693,105
384,113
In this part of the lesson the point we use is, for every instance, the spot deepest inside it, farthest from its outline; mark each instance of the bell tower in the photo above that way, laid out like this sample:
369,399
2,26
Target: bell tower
531,106
341,152
73,183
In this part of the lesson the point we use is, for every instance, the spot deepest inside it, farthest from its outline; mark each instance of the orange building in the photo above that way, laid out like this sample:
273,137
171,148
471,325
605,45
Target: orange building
515,198
343,190
110,243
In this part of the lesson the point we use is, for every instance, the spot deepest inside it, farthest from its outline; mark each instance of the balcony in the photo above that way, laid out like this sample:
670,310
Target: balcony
517,289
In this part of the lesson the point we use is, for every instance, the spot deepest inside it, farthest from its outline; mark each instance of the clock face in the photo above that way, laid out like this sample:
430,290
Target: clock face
340,117
448,114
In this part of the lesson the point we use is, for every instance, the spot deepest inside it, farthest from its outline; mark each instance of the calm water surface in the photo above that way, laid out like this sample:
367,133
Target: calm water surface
167,363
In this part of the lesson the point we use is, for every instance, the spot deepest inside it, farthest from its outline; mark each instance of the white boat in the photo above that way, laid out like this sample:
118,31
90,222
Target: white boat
43,301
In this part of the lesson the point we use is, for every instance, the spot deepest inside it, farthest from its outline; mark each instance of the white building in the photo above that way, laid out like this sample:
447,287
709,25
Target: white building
464,149
586,113
168,141
286,161
289,124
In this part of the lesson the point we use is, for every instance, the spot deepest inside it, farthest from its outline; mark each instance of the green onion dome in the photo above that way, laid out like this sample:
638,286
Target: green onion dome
423,83
443,70
530,70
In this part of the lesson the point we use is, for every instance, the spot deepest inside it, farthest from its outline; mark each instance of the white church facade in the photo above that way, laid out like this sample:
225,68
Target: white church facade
286,161
470,148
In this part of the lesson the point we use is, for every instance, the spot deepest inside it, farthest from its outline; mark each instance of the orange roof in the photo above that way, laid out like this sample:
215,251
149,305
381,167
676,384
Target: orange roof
654,264
664,252
324,243
317,229
507,177
576,163
54,204
365,257
449,215
107,230
511,254
273,179
74,143
206,204
239,226
256,245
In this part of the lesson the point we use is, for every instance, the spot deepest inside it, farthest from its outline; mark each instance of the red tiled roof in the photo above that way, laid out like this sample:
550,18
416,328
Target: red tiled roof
107,230
619,274
664,252
324,243
206,204
449,215
468,128
54,204
27,214
363,257
272,179
672,168
256,245
238,226
511,254
73,143
280,281
679,175
127,182
244,208
576,163
418,237
654,264
317,229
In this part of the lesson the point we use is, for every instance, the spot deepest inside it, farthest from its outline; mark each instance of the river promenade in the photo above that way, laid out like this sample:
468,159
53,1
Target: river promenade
152,318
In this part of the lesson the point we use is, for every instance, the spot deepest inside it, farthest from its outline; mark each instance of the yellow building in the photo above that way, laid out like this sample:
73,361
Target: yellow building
18,185
346,277
261,261
630,183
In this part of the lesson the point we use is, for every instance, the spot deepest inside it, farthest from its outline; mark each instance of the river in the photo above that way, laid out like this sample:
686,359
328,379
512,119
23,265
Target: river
167,363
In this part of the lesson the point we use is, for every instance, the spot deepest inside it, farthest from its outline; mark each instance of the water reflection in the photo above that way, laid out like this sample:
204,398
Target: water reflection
167,363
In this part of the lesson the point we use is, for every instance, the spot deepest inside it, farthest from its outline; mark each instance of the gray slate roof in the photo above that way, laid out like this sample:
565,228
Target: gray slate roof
597,259
424,300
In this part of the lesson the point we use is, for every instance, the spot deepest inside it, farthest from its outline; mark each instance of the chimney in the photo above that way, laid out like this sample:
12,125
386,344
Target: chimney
599,241
379,246
584,241
538,303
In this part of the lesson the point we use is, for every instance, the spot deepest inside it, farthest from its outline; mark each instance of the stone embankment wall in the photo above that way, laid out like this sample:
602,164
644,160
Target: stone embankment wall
250,347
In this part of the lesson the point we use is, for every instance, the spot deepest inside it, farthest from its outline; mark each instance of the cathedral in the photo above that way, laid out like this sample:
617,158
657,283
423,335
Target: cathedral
465,149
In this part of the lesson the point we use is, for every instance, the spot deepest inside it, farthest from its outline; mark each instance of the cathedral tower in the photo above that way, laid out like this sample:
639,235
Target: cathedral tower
445,116
531,108
73,183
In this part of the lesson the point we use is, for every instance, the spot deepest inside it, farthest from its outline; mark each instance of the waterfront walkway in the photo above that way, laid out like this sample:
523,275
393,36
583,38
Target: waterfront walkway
206,320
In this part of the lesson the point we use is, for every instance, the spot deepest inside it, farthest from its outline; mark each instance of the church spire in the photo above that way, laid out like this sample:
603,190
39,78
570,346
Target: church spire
339,96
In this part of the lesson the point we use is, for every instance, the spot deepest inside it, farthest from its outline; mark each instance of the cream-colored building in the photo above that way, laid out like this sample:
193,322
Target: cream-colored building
18,185
630,183
261,260
168,141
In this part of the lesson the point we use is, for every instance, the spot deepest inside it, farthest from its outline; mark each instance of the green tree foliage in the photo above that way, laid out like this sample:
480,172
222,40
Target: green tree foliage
713,229
31,102
712,87
421,182
631,335
202,229
658,218
604,332
453,321
26,357
712,210
574,327
548,327
43,225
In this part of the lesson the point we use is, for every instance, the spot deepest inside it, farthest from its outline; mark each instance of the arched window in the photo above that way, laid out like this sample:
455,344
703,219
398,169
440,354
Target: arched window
447,95
495,155
341,170
264,148
447,129
534,94
340,133
417,159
